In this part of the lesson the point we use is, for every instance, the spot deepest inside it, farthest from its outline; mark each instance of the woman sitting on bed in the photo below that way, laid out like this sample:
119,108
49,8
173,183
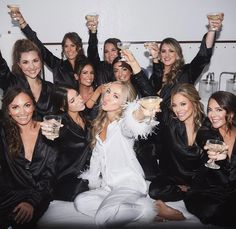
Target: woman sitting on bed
118,192
212,197
27,162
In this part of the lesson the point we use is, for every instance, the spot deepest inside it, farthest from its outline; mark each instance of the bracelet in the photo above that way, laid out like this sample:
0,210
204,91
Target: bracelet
22,23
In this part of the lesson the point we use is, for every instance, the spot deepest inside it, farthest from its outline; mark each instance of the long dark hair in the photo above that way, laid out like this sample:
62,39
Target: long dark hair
123,64
226,101
80,63
13,138
75,39
20,46
113,41
60,98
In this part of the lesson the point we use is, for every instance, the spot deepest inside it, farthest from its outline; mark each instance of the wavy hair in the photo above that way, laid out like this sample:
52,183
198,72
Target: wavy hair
113,41
98,124
20,46
176,67
76,40
13,138
189,91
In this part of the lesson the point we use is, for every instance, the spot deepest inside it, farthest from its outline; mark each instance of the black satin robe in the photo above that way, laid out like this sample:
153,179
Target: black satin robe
62,70
212,197
73,158
26,181
44,104
189,73
178,162
104,71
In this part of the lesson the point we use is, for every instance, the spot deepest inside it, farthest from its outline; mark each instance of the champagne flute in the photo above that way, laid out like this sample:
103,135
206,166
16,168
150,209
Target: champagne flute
215,146
123,46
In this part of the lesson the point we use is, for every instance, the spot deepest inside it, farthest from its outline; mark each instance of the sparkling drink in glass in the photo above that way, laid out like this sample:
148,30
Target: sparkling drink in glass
215,16
215,146
150,103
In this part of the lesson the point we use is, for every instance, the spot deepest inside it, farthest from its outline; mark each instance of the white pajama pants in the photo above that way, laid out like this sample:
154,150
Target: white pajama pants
119,206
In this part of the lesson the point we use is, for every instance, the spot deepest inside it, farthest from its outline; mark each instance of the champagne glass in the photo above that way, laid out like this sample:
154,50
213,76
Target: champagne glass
123,46
216,146
150,103
92,17
92,21
215,16
14,9
147,45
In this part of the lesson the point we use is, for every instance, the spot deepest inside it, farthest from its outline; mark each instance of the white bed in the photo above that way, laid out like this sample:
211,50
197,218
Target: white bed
61,214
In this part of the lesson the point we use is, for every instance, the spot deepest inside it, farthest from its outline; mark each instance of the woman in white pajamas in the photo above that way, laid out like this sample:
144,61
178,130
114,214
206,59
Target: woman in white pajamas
118,191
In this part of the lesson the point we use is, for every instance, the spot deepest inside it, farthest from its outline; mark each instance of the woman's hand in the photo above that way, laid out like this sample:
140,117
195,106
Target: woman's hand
17,16
48,129
23,212
217,154
130,59
92,25
147,112
153,49
215,24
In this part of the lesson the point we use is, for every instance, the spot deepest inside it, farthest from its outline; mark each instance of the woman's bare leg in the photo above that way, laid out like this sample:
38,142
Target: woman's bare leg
166,212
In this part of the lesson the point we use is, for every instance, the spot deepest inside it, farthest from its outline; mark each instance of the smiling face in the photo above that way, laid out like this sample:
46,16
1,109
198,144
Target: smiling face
113,98
75,101
70,50
121,73
182,107
21,109
168,55
216,114
110,52
86,76
30,64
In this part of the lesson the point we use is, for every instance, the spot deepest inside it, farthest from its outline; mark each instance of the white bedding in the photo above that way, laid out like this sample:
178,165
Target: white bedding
61,214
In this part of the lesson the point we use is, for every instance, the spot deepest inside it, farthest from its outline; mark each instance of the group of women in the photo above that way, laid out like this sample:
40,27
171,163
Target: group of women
109,145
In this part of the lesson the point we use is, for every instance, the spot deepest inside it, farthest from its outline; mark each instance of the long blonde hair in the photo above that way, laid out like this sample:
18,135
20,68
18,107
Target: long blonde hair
98,124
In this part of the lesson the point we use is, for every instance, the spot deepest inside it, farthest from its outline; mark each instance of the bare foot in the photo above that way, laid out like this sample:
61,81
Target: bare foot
166,212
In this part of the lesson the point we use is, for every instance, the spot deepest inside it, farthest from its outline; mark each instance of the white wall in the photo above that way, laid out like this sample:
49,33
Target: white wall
130,20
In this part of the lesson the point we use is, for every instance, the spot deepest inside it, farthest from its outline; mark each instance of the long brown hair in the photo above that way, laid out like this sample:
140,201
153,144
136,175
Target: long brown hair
190,92
76,40
20,46
226,101
12,130
98,124
176,67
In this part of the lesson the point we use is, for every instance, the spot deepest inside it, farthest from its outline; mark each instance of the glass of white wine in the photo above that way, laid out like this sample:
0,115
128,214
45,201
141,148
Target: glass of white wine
215,146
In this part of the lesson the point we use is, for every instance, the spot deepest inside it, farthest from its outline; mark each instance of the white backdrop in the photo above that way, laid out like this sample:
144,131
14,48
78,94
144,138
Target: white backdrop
130,20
